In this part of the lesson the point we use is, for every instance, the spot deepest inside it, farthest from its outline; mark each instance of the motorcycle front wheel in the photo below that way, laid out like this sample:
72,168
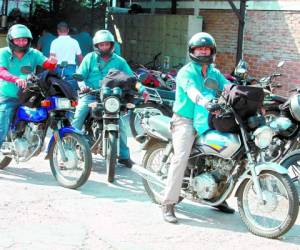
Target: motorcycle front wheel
279,210
135,118
111,155
292,164
76,170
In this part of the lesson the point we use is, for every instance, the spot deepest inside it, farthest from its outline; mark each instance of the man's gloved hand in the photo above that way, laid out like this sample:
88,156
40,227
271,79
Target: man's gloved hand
212,107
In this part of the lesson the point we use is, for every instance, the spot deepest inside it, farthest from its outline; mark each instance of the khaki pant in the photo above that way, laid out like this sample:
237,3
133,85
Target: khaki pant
183,136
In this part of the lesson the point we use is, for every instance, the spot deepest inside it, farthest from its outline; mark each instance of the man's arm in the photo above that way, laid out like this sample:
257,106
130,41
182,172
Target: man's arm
79,59
126,68
79,56
188,84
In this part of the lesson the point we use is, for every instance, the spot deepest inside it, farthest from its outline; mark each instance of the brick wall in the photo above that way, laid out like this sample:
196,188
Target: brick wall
270,36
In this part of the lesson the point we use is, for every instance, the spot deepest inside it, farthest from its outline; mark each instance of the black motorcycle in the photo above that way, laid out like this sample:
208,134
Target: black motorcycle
286,142
102,123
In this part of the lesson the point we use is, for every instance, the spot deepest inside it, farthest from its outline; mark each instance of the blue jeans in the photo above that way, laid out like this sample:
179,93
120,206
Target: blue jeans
7,111
81,113
67,72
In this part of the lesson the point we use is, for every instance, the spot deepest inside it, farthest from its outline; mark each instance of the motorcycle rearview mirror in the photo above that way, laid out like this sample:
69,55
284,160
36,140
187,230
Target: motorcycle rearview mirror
211,83
280,64
26,69
78,77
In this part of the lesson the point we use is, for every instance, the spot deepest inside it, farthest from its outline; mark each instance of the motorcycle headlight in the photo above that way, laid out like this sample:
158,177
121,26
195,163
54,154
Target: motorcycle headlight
63,103
111,104
263,136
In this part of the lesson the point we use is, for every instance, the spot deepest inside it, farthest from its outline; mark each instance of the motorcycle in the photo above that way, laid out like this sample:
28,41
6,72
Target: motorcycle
285,145
241,76
156,78
102,123
160,102
281,117
221,164
48,100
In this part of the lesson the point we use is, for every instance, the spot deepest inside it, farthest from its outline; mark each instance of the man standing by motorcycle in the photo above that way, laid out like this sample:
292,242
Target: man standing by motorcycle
190,91
12,80
67,50
94,67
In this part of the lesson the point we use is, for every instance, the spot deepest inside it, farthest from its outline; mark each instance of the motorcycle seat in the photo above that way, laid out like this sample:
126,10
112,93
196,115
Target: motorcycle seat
161,125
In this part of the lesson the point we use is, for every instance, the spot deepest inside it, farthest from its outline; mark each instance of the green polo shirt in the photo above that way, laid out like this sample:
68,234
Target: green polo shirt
94,69
190,76
8,60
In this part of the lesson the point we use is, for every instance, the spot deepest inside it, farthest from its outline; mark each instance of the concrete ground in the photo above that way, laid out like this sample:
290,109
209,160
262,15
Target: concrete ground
36,213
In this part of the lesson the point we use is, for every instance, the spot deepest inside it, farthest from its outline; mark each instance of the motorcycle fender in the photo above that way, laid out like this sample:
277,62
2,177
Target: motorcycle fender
111,127
291,154
149,141
259,168
62,132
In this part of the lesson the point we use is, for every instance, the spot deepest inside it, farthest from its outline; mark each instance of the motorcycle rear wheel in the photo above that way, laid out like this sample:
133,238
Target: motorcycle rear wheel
279,211
152,161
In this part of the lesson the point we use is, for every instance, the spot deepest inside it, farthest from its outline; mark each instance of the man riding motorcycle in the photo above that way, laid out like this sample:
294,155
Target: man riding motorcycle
190,93
12,59
94,67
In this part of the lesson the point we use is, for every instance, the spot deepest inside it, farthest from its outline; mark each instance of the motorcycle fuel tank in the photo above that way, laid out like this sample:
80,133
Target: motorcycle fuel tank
32,114
218,143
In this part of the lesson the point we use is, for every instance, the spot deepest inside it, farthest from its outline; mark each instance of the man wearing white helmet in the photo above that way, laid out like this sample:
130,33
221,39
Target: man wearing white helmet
94,67
12,79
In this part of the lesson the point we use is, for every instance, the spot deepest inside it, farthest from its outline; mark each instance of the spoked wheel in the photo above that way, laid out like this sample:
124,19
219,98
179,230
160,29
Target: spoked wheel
152,161
279,210
111,156
135,118
76,170
292,164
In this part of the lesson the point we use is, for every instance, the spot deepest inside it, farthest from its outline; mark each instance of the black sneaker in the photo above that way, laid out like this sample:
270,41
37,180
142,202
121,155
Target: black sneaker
126,162
223,207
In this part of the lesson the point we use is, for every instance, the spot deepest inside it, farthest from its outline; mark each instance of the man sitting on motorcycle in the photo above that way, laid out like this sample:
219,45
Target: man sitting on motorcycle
12,80
190,92
94,67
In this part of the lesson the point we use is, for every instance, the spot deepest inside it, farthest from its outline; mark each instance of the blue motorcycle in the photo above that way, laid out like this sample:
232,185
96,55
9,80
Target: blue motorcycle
45,104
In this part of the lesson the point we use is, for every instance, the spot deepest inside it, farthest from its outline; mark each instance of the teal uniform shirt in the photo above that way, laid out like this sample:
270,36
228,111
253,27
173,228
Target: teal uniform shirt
93,68
85,42
45,42
200,121
117,49
8,60
185,79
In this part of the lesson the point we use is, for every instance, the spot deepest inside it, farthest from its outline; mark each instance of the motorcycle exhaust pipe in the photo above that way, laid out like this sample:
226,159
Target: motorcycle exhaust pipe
148,175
